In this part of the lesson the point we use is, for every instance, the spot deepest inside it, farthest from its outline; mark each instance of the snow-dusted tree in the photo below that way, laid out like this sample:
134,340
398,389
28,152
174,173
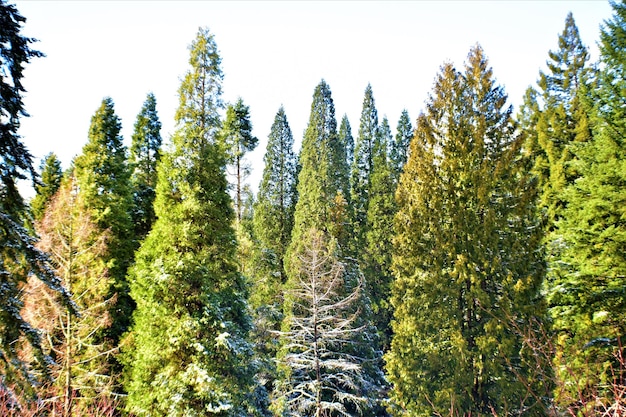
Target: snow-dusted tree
328,370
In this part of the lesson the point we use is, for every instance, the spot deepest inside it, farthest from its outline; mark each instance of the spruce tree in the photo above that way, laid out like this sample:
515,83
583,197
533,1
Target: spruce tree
187,353
589,297
19,258
467,257
399,148
103,180
51,176
362,167
238,140
145,152
273,212
347,141
377,255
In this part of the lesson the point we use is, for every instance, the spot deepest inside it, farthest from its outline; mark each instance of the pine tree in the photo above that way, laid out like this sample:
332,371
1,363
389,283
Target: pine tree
82,372
51,176
238,140
273,212
320,190
467,257
399,148
377,255
19,258
103,180
362,167
187,353
145,153
347,141
589,294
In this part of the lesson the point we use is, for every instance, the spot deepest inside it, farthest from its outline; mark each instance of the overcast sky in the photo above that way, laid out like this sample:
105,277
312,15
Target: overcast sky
274,53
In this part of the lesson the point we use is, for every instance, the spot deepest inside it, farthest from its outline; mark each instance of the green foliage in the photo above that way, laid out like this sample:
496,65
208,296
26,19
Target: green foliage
237,140
347,141
19,258
377,255
321,158
103,180
51,176
399,148
588,296
145,153
467,257
188,354
362,167
274,211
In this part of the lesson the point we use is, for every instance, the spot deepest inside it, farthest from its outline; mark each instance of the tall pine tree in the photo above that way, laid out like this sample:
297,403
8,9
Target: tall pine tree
467,256
362,167
399,147
103,179
19,258
145,152
238,140
188,353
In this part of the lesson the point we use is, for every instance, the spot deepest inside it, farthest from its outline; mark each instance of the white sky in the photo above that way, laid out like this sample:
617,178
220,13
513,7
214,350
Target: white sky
274,53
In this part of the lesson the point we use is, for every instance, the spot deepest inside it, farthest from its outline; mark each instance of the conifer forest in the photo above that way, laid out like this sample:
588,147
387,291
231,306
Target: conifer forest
469,260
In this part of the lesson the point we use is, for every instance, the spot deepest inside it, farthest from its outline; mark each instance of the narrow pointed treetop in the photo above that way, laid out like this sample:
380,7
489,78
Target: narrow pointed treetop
51,176
145,153
399,147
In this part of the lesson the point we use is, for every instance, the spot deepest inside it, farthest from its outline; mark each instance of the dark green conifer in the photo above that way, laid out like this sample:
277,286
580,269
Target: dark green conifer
399,147
145,153
187,353
51,176
238,140
103,180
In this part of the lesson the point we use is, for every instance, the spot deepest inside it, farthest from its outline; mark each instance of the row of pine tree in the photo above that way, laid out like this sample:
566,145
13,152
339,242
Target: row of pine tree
472,264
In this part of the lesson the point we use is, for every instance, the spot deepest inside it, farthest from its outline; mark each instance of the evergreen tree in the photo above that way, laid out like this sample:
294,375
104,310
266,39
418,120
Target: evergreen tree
19,258
145,152
467,257
362,167
188,353
238,140
377,256
51,176
399,148
274,210
103,180
345,137
320,191
589,293
82,375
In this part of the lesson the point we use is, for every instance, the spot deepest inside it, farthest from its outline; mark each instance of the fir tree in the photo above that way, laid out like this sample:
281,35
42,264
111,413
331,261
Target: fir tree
238,140
145,153
362,167
588,299
347,141
399,147
103,180
377,255
467,256
274,210
19,258
188,353
51,176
